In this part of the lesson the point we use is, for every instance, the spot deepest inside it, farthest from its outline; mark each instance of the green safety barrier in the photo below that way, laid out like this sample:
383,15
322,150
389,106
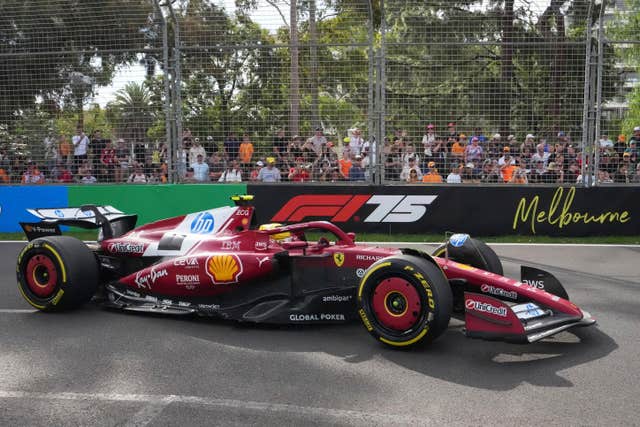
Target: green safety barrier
154,202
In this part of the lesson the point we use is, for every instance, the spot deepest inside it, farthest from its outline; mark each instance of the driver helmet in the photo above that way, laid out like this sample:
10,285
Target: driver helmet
279,237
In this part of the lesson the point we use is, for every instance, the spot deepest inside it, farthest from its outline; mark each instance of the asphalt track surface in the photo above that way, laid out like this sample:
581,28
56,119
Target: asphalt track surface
94,367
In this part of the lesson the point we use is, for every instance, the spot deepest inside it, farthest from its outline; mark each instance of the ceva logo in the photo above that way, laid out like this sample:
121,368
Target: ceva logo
202,223
343,207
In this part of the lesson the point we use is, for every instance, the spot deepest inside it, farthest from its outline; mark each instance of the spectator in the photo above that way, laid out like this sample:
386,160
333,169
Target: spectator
392,159
410,153
623,175
470,174
123,160
432,176
345,164
232,173
477,133
632,150
84,170
64,174
253,175
231,146
280,147
140,153
514,146
356,143
428,144
300,173
620,144
86,177
108,162
457,149
182,158
318,141
295,148
635,178
216,166
489,173
519,176
80,143
528,144
195,150
538,172
506,157
604,177
64,148
200,169
605,143
246,151
5,177
412,178
32,174
636,135
553,175
473,152
138,176
98,144
356,173
452,131
573,170
507,165
50,152
540,154
412,165
269,173
493,147
454,176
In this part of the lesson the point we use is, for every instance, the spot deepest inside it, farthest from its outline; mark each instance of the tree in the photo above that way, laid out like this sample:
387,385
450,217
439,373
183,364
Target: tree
133,111
58,51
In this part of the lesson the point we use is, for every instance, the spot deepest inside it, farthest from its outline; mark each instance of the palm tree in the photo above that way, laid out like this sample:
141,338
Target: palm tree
134,111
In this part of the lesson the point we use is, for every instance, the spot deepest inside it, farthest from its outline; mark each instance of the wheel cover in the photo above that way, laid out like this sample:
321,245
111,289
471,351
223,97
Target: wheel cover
41,275
396,303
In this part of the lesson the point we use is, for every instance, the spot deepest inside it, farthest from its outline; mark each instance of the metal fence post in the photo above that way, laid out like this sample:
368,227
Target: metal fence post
167,92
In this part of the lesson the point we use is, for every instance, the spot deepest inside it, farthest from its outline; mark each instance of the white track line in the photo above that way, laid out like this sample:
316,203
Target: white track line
17,310
159,402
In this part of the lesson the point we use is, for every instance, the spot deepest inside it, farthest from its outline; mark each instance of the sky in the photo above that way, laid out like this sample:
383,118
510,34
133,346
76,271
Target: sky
266,16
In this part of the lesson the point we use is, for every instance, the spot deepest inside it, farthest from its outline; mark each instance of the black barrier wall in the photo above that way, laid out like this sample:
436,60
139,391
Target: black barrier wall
561,211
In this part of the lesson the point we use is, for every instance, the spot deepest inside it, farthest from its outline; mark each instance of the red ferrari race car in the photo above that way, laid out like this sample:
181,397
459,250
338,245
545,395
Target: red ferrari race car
219,263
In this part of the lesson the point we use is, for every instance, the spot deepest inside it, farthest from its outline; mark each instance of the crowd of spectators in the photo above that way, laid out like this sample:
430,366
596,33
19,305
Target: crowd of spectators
448,157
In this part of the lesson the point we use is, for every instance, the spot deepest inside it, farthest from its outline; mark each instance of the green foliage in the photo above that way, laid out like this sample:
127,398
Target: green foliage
58,51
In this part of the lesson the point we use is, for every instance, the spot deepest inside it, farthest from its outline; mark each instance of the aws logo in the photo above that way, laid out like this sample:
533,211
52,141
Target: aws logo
343,207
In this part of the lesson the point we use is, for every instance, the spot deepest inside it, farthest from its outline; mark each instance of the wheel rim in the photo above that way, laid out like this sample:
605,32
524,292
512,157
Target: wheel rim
396,304
41,276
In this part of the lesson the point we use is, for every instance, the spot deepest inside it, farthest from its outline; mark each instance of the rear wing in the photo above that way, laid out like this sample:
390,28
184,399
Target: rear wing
110,220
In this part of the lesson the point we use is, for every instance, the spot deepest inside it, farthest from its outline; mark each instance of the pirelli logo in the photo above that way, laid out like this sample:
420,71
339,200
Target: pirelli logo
345,207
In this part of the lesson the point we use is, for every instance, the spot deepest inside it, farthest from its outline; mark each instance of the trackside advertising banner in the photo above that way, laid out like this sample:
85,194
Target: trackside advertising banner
15,200
561,211
150,202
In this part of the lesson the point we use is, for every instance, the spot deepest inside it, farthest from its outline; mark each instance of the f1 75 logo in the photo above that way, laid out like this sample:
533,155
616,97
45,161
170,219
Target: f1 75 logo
342,207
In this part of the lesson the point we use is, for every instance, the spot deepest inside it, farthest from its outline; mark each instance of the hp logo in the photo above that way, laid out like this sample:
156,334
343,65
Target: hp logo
202,224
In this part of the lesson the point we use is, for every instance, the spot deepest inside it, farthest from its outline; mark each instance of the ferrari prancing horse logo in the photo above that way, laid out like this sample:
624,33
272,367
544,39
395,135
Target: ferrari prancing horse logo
338,258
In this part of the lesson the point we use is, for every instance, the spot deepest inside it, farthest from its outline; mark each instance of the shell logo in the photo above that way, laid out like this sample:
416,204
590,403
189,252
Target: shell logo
224,269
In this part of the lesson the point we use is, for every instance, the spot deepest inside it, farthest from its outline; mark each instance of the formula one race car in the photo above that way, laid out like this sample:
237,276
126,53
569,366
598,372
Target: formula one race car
219,263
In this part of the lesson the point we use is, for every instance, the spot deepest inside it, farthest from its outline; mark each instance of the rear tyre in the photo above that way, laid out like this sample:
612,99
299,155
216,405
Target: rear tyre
473,252
404,301
57,273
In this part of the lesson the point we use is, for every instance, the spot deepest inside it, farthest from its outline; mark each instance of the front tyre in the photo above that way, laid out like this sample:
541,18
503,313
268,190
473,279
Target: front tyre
404,301
57,273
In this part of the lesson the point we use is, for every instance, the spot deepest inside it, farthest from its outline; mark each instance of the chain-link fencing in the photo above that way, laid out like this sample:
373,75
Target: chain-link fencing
509,92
